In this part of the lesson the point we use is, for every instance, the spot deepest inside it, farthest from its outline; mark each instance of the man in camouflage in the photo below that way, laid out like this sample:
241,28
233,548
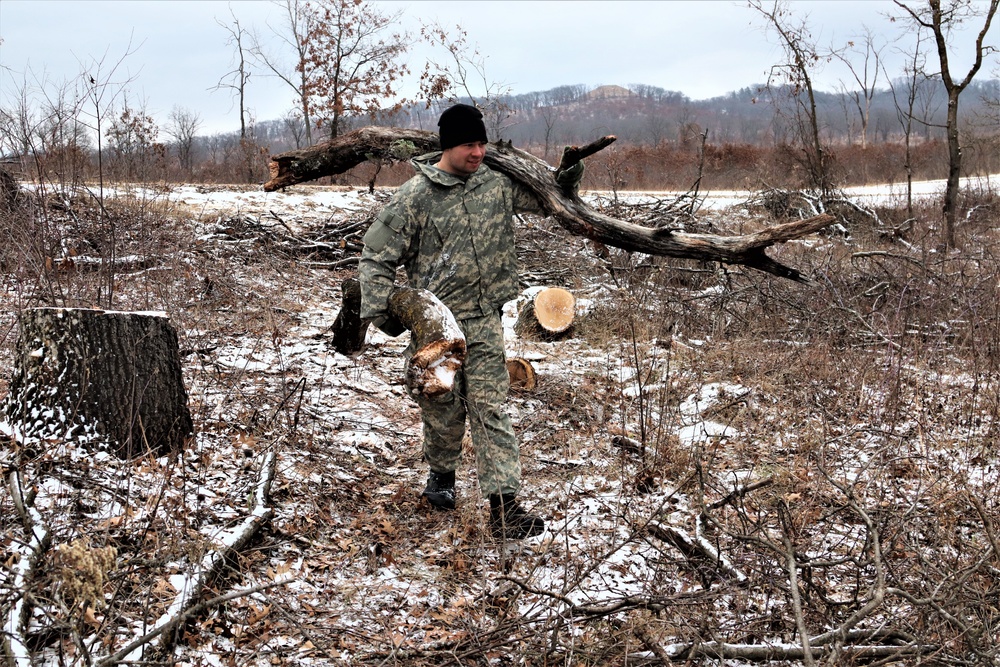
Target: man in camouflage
451,227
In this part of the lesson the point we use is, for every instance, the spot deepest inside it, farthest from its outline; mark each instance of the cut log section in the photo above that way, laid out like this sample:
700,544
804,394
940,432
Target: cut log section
549,314
522,374
440,343
91,375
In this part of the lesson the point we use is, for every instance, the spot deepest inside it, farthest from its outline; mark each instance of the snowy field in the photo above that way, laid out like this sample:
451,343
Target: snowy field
315,201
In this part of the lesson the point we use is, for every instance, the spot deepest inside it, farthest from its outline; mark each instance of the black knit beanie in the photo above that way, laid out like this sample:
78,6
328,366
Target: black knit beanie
461,124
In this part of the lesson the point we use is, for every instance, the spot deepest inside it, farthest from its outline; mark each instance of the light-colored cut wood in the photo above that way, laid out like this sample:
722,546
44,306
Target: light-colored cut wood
522,374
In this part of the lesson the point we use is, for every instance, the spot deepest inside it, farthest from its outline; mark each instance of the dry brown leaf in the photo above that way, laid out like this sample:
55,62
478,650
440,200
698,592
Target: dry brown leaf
163,589
257,613
90,618
274,573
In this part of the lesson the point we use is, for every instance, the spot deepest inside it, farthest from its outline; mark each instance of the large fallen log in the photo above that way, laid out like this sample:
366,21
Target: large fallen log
572,213
439,342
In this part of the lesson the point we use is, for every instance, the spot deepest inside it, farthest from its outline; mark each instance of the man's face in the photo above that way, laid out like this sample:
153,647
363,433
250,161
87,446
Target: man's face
464,159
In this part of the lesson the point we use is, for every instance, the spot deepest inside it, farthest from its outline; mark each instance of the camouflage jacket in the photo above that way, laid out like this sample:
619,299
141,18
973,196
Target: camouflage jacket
454,237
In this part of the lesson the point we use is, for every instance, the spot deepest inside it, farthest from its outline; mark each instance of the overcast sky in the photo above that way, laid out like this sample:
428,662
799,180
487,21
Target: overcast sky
177,52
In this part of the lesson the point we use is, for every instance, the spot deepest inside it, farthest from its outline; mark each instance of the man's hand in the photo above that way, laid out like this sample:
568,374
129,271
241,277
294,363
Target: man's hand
389,325
570,177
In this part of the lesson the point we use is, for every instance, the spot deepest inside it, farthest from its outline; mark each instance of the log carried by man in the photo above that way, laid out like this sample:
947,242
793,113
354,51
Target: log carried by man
349,150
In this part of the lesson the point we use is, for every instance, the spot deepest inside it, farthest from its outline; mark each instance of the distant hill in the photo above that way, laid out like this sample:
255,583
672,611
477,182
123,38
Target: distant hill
647,115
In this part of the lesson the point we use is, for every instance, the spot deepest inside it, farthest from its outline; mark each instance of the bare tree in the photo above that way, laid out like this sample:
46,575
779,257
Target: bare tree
182,125
548,116
59,140
101,88
656,125
915,78
18,126
293,34
132,141
353,61
864,63
462,76
802,57
237,78
942,21
293,125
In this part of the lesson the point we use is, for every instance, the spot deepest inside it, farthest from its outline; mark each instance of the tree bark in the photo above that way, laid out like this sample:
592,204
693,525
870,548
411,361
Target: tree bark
440,344
351,149
10,191
95,375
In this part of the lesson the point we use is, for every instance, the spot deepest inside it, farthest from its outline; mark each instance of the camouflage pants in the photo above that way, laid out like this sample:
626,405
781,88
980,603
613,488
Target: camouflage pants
480,391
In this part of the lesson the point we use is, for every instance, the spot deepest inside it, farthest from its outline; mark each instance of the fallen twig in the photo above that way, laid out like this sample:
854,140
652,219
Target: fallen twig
185,604
696,548
183,617
740,492
774,652
30,553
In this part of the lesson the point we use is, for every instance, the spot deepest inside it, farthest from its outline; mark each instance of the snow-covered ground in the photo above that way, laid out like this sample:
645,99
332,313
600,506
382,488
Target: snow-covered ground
677,477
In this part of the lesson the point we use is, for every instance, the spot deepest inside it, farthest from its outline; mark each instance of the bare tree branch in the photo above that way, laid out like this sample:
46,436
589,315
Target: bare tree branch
351,149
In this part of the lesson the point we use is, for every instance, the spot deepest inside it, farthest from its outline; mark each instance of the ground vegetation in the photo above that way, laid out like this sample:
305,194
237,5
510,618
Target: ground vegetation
734,467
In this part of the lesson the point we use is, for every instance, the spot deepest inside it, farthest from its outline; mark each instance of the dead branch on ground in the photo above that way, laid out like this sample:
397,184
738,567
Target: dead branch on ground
186,603
30,553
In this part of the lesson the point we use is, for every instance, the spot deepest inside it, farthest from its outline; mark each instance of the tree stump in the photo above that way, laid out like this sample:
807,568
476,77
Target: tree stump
549,315
92,375
10,191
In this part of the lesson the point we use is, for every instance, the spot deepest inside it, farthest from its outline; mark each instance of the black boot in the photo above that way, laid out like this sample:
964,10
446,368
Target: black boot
440,490
509,521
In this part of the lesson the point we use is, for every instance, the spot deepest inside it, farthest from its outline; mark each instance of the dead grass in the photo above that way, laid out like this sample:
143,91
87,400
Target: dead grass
865,404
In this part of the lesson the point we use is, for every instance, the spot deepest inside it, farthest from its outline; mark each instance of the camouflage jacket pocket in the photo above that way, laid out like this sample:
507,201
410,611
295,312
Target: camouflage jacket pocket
383,230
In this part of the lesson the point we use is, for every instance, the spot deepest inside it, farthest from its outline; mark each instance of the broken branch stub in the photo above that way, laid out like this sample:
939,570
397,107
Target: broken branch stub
349,330
573,154
440,343
572,213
